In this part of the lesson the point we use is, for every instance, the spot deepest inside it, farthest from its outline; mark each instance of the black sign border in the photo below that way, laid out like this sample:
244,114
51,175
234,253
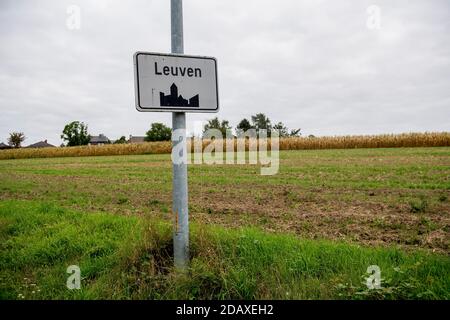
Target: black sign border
170,109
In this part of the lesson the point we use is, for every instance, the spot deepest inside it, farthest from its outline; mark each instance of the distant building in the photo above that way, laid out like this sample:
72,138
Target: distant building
4,146
101,139
136,139
173,99
41,144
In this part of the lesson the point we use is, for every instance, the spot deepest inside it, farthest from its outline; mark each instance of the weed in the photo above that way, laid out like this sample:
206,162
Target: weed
418,206
154,202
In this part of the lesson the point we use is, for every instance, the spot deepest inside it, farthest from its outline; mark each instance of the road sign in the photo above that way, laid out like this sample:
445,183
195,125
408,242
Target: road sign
175,83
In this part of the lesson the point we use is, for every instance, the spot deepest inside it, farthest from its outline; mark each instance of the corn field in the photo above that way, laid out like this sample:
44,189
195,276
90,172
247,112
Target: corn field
427,139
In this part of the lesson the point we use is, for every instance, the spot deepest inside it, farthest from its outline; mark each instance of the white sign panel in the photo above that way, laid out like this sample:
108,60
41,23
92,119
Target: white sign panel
169,82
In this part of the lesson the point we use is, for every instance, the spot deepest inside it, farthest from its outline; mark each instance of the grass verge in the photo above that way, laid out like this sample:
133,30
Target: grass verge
130,258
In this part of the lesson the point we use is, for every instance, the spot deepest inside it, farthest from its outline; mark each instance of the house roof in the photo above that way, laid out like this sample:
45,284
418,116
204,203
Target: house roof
41,144
101,138
4,146
136,139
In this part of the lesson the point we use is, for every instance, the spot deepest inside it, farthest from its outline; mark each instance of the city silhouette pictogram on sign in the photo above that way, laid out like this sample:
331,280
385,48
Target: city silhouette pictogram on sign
173,99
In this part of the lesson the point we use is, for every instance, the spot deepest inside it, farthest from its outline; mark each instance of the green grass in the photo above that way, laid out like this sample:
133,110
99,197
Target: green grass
308,232
349,195
40,240
129,257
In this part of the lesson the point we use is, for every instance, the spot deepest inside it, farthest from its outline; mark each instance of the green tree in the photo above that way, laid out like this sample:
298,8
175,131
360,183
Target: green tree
16,138
261,121
243,126
295,133
75,133
282,129
223,126
158,132
121,140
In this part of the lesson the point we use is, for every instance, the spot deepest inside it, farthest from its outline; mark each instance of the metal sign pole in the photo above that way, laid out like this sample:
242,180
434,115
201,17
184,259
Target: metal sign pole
180,188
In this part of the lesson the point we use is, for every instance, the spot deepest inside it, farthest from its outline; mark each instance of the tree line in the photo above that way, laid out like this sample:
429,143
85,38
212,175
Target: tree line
258,121
76,133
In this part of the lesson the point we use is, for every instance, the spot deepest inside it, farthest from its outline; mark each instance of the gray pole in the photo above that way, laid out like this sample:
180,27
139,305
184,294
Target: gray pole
180,188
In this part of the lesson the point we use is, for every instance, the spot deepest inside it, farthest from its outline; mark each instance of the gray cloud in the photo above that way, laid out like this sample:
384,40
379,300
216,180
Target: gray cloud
310,64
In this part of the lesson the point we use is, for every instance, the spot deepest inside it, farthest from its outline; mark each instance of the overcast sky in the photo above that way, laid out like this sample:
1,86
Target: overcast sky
316,65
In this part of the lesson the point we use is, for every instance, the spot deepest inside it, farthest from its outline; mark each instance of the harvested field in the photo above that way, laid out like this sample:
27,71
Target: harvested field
368,196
